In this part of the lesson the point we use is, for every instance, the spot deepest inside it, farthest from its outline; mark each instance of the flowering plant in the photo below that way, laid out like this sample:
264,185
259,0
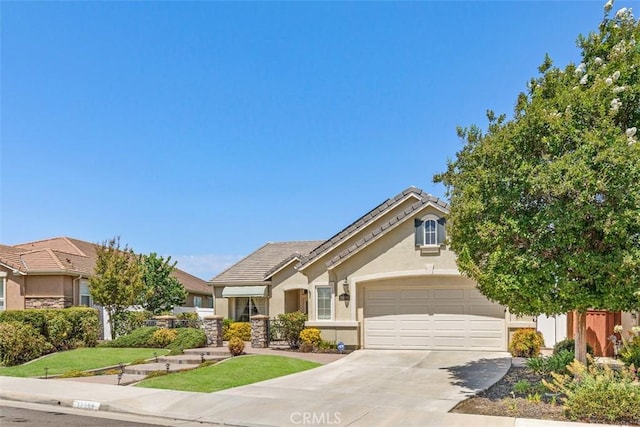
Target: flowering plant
630,348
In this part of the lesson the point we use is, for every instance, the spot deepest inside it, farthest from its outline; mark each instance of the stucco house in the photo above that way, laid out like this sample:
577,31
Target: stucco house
54,273
386,281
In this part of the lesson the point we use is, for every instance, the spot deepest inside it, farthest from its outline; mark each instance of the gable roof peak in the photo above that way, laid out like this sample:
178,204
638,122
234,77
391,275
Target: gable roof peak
371,216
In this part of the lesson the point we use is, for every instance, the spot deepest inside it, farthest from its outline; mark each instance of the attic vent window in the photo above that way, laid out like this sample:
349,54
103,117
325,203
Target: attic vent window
430,234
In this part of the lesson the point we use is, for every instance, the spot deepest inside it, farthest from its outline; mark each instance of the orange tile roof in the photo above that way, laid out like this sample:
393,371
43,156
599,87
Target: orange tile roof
62,255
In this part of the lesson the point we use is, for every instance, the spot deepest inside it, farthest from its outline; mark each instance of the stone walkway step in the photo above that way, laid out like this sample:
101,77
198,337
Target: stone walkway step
192,359
210,351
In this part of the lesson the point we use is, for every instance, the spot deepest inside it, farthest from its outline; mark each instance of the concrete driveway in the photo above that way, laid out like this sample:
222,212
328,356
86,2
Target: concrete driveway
369,387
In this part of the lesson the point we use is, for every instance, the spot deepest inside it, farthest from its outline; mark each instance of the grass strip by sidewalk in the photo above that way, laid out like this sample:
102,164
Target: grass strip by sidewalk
81,359
230,373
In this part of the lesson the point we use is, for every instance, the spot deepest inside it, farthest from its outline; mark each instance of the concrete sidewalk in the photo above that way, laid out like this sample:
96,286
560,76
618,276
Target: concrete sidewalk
363,389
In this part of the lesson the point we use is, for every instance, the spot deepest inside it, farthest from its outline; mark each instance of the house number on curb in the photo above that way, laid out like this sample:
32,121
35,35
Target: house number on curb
86,404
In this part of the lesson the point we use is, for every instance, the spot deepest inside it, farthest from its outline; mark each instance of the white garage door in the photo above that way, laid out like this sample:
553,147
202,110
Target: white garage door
432,317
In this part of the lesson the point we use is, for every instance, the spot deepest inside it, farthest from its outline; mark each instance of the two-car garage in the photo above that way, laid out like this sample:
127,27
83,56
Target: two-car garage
431,313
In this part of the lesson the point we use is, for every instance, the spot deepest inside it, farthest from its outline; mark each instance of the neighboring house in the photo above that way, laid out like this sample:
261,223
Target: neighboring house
54,273
386,281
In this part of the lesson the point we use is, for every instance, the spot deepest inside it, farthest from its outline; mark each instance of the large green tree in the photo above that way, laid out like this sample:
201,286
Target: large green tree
117,280
161,291
545,206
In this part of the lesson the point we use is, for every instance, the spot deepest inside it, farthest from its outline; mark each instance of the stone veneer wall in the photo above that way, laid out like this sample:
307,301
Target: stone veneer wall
213,330
47,302
260,331
165,321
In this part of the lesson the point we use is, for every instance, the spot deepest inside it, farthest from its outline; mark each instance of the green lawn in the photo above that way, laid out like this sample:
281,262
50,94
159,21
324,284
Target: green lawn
230,373
80,359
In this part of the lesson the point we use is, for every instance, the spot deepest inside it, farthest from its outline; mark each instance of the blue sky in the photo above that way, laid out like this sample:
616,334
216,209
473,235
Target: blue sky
202,130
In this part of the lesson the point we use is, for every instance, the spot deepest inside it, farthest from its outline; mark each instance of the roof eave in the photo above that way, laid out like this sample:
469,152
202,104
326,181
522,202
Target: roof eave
269,275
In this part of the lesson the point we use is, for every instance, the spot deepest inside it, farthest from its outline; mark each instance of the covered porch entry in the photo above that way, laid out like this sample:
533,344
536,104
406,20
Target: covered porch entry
296,300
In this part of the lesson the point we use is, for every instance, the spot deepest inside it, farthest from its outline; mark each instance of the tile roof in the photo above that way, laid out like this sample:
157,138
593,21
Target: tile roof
255,266
192,283
422,199
10,257
72,256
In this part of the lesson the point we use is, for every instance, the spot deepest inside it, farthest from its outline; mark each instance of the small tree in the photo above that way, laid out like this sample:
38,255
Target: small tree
117,280
161,290
545,207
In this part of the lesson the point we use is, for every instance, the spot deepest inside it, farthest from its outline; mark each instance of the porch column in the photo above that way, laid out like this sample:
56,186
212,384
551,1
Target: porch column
260,331
213,330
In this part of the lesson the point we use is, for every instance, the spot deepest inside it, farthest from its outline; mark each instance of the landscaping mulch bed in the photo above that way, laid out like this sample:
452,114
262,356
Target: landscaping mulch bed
501,400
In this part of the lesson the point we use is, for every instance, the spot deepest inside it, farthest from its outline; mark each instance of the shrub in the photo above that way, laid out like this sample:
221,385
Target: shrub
291,324
326,345
557,363
139,338
191,318
630,352
163,337
226,324
236,346
598,394
129,321
306,347
63,328
569,345
526,342
21,342
311,336
241,330
188,338
59,332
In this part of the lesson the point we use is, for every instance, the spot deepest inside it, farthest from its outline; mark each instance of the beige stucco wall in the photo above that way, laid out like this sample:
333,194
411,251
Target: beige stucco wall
45,286
282,301
67,287
14,299
630,320
317,272
221,305
335,334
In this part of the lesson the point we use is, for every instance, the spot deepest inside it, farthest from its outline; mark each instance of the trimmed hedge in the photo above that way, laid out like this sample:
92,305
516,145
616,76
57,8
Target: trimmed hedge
188,338
63,328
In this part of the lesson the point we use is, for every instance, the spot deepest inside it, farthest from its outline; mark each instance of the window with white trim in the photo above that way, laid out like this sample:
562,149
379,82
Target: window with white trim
323,302
430,232
197,302
85,294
